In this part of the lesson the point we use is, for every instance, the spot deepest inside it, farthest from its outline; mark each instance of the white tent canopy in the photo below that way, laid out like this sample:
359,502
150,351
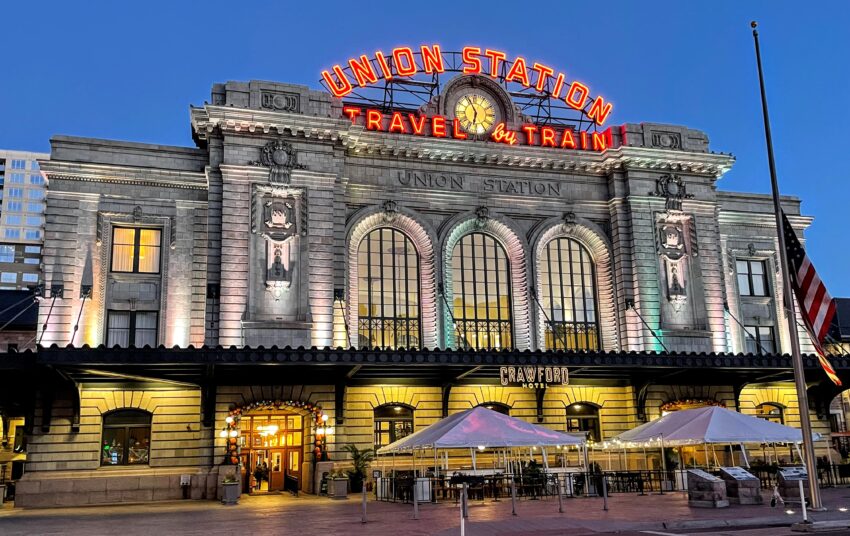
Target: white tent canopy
480,427
711,424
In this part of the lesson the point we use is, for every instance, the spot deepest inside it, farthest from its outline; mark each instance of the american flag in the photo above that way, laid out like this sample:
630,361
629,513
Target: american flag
816,305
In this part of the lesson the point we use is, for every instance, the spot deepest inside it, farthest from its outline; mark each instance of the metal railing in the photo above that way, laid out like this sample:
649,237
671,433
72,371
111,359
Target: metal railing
401,486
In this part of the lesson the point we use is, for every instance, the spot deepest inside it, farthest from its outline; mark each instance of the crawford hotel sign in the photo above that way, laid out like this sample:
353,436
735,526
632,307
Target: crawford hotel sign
471,107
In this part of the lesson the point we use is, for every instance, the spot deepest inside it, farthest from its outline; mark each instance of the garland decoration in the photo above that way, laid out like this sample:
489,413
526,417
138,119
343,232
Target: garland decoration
236,412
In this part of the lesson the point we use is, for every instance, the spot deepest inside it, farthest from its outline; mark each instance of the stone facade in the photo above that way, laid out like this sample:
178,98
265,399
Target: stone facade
260,226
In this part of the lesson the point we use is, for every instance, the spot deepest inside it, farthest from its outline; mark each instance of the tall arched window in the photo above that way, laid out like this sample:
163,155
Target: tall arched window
771,412
392,422
583,418
388,286
504,409
481,287
568,296
126,437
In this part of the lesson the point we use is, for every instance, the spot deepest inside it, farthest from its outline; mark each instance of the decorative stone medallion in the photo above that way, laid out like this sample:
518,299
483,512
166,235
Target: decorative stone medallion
280,157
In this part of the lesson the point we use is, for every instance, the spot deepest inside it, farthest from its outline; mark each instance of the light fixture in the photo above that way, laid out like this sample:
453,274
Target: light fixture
234,433
320,430
789,512
481,447
842,509
228,419
397,408
329,430
223,433
325,418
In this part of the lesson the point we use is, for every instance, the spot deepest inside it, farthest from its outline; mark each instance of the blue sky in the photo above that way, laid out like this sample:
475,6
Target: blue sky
129,70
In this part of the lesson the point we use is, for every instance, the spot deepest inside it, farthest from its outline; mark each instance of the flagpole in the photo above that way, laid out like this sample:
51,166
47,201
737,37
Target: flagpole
790,309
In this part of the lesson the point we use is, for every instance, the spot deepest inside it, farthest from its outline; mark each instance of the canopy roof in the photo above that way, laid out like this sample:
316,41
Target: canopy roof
711,424
480,426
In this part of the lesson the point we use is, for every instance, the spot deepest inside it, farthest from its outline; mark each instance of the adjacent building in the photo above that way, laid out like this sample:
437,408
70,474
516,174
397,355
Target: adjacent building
22,187
318,271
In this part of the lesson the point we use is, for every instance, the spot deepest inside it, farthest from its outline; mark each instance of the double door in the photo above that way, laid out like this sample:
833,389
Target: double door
268,469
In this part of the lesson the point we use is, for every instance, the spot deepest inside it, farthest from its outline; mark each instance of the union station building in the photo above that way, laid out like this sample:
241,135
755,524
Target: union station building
318,270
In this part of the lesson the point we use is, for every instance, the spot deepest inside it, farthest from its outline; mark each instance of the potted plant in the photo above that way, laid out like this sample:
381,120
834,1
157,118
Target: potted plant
230,488
338,484
360,460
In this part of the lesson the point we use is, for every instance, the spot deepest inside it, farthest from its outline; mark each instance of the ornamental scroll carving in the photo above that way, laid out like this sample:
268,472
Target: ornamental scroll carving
278,219
672,188
281,158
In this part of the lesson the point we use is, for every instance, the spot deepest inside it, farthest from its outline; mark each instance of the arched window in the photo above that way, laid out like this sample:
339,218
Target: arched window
568,296
126,437
584,418
771,412
388,286
392,422
504,409
481,287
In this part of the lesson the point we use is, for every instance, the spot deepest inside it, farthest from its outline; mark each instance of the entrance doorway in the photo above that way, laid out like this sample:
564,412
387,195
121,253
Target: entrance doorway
272,453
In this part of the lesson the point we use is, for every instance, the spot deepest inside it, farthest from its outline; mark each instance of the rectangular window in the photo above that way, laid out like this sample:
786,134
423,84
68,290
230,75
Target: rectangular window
35,207
35,194
33,235
135,250
36,179
131,328
34,165
14,206
35,221
759,340
13,220
7,253
32,249
15,192
13,233
16,178
19,164
752,278
29,278
8,277
32,261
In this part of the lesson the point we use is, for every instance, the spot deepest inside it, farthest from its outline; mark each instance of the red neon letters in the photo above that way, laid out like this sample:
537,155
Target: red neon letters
401,61
438,126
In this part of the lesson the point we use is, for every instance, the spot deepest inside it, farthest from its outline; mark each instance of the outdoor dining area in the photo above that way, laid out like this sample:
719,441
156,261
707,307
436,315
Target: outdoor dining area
495,456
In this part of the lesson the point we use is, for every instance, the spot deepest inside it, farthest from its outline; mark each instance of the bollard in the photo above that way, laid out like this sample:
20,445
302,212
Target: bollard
560,497
462,520
803,502
363,515
604,493
513,497
415,501
464,503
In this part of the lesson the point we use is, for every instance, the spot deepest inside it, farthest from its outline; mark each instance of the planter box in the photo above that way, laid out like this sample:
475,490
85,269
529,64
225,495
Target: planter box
231,493
338,488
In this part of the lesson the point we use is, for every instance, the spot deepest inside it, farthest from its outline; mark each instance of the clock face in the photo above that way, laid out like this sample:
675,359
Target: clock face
476,113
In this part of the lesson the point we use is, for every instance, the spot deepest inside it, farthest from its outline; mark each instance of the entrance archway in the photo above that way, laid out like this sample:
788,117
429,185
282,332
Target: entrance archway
271,440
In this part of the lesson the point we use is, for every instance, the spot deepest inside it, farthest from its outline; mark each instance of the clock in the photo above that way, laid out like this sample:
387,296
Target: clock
475,112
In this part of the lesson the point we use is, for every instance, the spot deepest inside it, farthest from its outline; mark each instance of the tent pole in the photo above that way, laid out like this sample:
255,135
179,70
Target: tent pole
744,456
545,460
714,455
436,469
705,451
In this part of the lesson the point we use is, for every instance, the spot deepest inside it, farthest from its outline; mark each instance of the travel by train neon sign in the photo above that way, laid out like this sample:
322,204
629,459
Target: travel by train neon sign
402,64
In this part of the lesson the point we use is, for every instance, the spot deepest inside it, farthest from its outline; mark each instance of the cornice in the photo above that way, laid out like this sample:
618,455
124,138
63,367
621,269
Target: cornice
110,173
360,142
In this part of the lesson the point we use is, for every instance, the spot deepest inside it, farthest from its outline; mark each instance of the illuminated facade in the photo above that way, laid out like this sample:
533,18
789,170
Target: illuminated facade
309,258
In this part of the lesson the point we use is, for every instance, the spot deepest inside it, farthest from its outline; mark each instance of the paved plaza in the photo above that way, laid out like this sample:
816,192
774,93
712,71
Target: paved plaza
283,514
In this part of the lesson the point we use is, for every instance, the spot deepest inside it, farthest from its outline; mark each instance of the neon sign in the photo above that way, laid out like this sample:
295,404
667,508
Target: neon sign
402,62
437,126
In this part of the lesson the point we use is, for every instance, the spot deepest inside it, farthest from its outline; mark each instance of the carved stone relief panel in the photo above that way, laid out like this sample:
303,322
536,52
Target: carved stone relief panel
279,218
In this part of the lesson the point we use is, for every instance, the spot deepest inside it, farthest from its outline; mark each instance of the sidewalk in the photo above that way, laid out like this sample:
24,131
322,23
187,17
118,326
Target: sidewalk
283,514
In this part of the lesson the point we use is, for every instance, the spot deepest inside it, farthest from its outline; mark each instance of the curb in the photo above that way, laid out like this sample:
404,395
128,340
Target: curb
727,523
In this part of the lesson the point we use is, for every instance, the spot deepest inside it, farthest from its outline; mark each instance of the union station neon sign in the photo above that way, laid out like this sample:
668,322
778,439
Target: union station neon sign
403,62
